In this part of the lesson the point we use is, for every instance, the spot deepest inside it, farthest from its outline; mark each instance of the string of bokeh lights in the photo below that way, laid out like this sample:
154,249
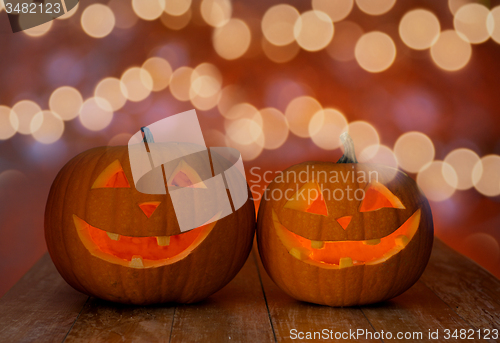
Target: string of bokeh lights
285,32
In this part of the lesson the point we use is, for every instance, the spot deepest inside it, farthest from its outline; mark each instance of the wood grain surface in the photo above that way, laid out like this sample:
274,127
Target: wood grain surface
453,293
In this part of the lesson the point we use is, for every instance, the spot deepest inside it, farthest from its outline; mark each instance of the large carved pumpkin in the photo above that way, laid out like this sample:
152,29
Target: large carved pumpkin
370,245
110,241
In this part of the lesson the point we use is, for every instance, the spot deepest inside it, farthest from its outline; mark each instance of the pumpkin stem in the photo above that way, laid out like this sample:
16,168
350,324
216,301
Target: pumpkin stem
349,155
148,136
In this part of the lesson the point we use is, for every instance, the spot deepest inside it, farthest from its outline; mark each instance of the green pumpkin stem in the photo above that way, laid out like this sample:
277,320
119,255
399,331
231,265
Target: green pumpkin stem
148,136
349,155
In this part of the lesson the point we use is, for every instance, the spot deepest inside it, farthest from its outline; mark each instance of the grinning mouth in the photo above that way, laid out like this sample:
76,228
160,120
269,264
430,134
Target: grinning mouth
140,252
342,254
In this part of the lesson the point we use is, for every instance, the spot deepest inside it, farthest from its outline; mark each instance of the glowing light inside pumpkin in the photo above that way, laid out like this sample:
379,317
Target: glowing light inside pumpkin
185,176
333,253
129,251
149,207
309,198
112,177
377,196
344,222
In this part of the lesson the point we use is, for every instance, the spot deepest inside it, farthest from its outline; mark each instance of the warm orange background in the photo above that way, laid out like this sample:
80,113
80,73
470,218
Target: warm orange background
466,113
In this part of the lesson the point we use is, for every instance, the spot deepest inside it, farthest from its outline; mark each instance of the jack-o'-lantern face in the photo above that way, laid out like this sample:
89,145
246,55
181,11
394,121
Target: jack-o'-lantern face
349,226
140,251
342,254
111,241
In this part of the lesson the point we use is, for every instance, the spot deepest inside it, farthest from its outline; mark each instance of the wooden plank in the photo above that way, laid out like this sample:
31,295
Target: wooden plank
418,310
471,291
41,307
237,313
102,321
288,314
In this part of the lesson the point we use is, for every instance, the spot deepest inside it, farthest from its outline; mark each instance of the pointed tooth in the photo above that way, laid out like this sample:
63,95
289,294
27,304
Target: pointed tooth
163,240
372,241
317,244
401,240
136,262
300,253
345,262
113,236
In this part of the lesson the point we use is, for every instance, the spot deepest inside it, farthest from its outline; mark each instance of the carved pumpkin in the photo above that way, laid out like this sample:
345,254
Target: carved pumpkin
110,241
369,246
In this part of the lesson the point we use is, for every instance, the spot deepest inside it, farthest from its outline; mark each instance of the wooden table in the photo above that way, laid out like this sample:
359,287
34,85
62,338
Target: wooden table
453,293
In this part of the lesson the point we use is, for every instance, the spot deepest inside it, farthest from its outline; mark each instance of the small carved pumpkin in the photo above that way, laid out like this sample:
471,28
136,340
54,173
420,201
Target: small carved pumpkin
347,234
110,241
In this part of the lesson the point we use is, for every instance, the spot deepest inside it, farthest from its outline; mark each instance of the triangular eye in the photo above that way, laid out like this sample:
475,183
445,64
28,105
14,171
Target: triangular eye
185,176
308,199
377,196
112,177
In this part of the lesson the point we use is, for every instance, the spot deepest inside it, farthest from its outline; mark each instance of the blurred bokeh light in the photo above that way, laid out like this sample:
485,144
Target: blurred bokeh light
414,83
375,51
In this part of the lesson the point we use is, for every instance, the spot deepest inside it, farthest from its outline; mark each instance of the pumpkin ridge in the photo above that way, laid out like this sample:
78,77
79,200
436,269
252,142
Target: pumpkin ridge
93,175
62,225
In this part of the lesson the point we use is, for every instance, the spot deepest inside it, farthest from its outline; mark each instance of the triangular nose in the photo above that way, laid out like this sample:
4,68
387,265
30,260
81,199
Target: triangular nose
149,207
344,221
